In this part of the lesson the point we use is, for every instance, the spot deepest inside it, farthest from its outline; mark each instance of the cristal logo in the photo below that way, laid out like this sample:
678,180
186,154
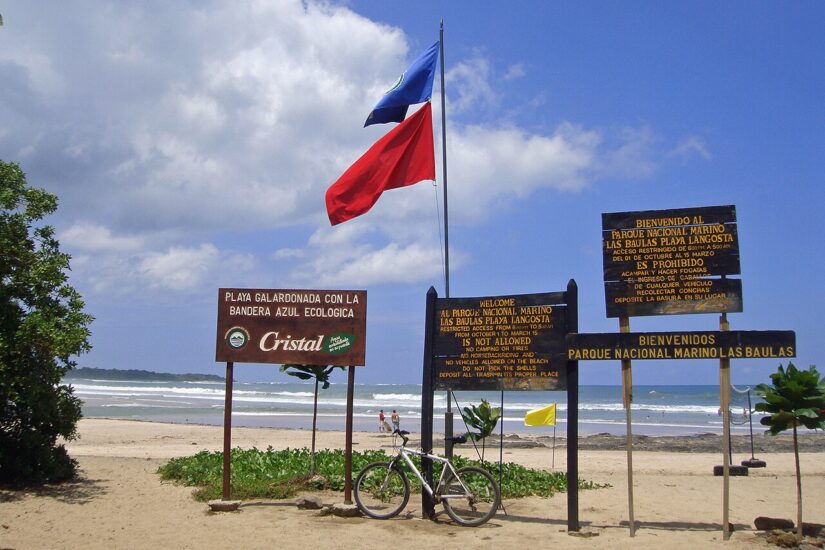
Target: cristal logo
237,337
335,344
272,341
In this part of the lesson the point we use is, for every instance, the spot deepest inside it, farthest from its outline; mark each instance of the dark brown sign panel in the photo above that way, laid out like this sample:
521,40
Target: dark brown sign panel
661,262
310,327
500,342
736,344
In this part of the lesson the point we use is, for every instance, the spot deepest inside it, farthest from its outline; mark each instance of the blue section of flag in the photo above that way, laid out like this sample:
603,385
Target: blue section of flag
414,86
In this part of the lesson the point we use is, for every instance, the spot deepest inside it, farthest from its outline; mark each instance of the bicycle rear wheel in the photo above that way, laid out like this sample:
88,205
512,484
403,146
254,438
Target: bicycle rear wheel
472,498
381,490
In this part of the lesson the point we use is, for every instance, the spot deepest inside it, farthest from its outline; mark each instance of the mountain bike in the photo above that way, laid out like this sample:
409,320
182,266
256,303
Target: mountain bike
470,495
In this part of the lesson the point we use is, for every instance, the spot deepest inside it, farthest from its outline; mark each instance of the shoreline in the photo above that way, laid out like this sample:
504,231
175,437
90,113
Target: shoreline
707,442
118,500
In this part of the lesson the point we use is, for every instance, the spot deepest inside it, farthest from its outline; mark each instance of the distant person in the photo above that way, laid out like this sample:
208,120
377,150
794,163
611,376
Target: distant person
381,421
396,420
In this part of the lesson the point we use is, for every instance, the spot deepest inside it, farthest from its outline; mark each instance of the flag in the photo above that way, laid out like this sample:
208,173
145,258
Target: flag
402,157
415,85
541,417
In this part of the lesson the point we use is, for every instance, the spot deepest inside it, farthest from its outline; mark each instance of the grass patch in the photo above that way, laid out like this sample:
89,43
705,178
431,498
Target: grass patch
274,474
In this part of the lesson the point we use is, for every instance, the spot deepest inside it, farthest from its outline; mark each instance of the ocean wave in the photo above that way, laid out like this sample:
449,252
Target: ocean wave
396,397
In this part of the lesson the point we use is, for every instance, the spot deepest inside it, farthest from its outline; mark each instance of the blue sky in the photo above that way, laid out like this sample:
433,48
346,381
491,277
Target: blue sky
191,145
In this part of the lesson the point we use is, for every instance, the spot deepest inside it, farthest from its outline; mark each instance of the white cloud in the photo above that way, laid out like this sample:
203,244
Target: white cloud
689,147
363,265
90,236
515,71
238,121
179,268
470,82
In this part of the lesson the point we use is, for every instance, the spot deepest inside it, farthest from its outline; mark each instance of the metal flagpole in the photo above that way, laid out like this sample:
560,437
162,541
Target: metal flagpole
448,416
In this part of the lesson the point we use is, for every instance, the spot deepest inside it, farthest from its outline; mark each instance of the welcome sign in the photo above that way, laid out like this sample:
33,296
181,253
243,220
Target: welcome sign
306,327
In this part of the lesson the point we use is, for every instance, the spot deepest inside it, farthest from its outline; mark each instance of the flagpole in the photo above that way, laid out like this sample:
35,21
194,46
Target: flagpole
448,416
444,170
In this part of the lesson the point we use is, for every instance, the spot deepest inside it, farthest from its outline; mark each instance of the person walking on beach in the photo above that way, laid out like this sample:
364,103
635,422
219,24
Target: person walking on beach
381,421
396,420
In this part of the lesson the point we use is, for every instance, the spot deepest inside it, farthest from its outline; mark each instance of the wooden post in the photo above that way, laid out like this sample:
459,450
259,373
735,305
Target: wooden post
724,402
348,448
572,321
627,401
227,432
427,504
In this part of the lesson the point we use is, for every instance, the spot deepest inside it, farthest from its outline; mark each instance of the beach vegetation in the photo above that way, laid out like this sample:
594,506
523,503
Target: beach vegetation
320,374
484,418
794,398
42,327
272,474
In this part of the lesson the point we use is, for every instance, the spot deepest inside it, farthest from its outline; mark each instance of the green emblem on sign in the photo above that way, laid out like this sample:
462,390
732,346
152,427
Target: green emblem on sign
339,343
237,337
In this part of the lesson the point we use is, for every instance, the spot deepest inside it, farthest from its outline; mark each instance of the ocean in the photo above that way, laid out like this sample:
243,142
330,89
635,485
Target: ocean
657,410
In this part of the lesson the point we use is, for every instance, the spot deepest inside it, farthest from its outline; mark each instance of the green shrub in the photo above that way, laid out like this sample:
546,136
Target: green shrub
274,474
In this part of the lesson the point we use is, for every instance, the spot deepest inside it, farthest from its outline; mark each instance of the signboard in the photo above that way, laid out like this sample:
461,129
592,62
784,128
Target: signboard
500,343
661,262
310,327
737,344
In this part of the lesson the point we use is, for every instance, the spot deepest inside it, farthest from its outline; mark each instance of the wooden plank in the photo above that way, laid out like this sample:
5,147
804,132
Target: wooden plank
664,218
737,344
635,299
641,254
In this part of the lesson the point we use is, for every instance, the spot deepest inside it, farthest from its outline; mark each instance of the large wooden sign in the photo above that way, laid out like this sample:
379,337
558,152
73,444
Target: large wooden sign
737,344
660,262
310,327
500,342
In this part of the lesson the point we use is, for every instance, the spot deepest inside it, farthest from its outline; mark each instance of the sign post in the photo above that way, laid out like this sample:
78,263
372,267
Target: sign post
227,433
627,401
514,342
664,262
724,402
303,327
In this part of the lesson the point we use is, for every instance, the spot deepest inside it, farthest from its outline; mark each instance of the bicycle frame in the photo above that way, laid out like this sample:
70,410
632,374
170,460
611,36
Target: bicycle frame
404,453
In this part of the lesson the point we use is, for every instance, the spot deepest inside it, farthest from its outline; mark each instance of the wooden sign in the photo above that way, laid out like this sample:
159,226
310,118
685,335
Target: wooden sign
500,343
664,262
309,327
737,344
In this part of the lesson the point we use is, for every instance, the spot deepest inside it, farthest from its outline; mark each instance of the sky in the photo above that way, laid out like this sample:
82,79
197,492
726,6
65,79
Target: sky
191,144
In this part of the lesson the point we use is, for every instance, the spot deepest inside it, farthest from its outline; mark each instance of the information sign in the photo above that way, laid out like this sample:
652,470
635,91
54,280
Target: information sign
736,344
660,262
501,342
307,327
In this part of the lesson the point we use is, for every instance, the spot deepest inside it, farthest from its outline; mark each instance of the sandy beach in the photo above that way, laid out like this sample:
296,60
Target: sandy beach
120,502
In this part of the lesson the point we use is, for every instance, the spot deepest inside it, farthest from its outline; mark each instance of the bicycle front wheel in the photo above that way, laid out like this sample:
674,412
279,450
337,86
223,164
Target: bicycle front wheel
381,490
472,498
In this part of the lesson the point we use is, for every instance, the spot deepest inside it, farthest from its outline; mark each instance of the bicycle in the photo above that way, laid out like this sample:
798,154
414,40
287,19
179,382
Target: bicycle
470,495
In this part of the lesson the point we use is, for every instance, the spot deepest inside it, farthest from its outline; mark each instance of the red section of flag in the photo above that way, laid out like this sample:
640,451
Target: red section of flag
402,157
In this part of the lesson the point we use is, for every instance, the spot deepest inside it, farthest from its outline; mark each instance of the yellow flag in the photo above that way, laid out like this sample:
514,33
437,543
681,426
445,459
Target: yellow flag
541,417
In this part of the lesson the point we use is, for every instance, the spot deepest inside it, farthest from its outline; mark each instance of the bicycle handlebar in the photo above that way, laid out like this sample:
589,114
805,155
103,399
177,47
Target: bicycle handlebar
403,434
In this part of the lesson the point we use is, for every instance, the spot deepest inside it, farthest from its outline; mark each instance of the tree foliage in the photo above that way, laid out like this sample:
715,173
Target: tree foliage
42,326
794,398
484,419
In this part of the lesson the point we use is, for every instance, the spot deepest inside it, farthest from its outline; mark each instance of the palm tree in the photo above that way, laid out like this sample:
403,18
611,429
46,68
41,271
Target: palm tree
795,398
320,373
483,418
